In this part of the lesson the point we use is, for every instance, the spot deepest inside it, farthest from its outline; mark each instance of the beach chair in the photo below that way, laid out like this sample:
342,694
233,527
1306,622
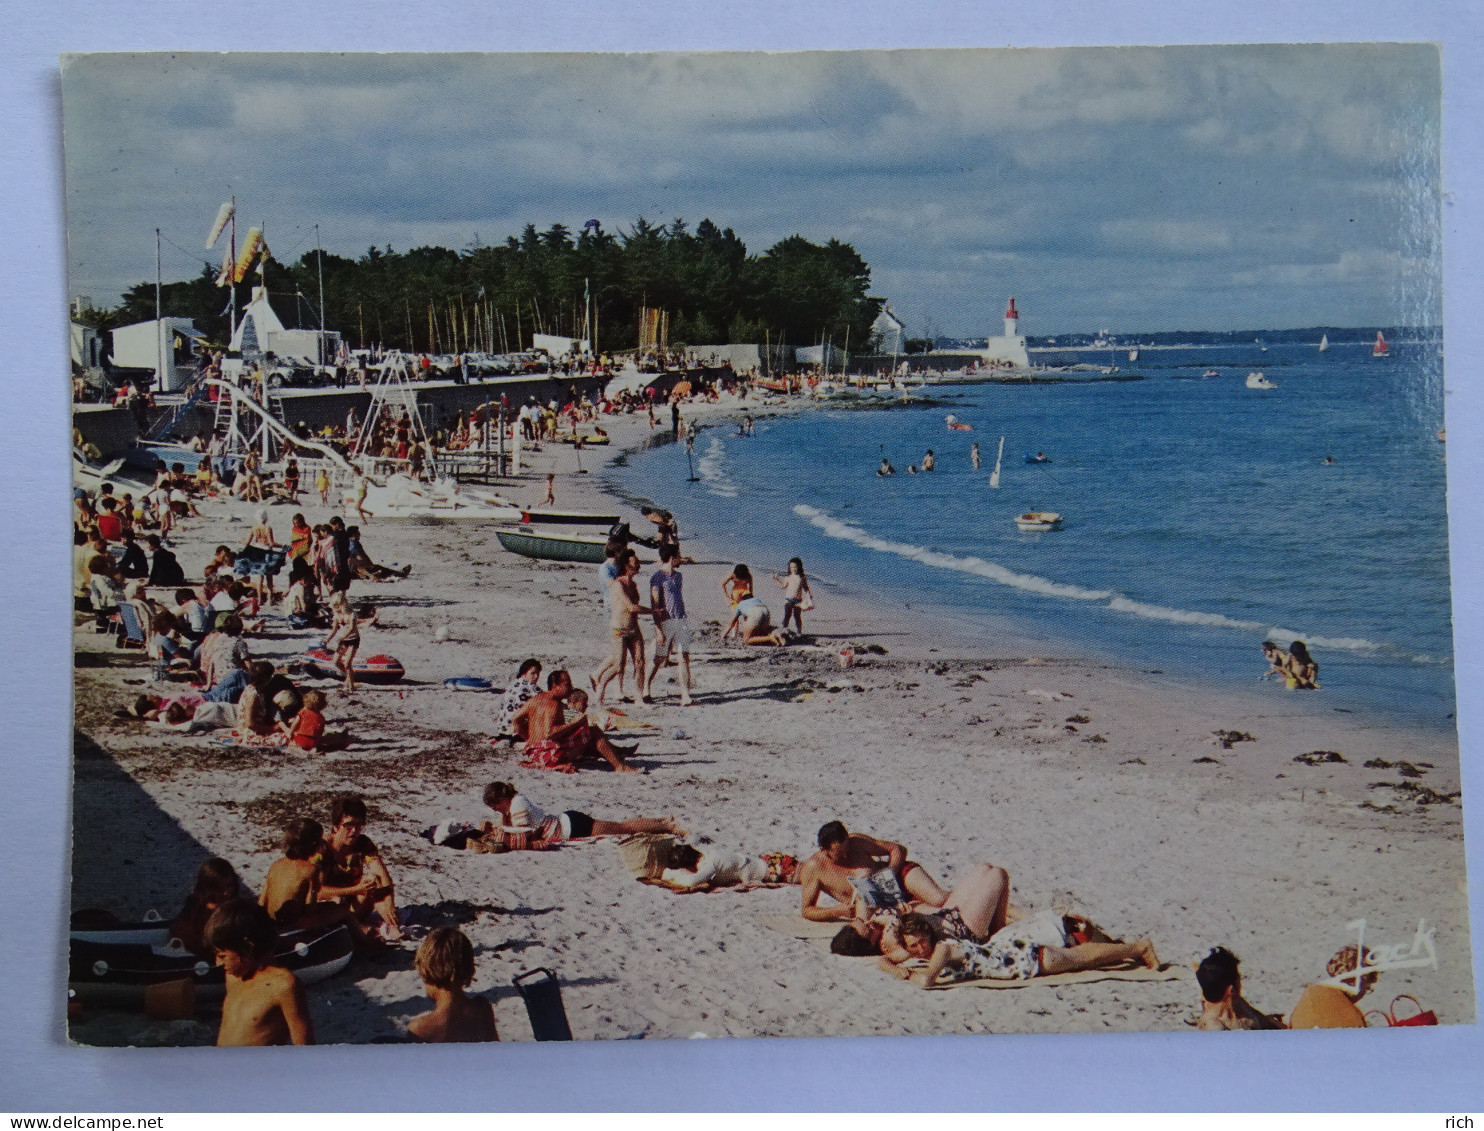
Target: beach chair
542,994
132,620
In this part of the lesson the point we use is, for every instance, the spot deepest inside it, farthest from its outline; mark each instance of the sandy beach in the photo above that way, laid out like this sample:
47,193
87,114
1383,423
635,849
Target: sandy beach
1074,775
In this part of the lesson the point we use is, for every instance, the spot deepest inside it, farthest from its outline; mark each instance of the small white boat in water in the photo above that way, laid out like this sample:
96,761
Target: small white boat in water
1323,342
1211,373
1033,521
1258,381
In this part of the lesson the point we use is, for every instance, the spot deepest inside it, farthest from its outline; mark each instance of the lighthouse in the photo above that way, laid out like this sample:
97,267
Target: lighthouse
1007,351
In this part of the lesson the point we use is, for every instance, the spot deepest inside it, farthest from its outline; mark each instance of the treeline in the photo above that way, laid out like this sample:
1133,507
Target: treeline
436,299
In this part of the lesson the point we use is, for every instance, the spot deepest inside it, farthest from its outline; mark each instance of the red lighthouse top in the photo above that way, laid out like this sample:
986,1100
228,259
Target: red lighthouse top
1011,312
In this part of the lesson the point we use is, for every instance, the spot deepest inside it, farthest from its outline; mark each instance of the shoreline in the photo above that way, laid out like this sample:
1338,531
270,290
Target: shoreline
966,754
944,623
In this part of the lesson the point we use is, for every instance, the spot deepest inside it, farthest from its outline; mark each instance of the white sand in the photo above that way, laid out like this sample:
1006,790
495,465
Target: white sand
964,754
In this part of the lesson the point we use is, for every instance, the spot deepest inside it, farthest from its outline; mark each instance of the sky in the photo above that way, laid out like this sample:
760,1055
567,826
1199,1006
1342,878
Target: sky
1133,189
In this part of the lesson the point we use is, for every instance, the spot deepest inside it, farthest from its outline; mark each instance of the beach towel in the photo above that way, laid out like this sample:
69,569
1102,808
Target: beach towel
820,934
645,854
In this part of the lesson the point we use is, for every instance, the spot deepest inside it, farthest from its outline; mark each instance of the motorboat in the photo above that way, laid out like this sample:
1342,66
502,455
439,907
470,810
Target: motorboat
1211,373
1256,380
1034,521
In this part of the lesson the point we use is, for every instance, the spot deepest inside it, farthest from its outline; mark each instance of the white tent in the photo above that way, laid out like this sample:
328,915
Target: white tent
257,324
557,346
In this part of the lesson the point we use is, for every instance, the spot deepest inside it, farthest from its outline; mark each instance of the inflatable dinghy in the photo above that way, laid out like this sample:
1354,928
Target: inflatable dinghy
367,669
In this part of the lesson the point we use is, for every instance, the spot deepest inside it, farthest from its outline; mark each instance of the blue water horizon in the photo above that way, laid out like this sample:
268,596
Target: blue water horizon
1199,515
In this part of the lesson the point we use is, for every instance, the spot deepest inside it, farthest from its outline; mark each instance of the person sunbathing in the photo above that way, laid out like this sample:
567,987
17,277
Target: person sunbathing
517,811
1222,1005
445,962
552,742
846,861
1036,945
265,1003
688,868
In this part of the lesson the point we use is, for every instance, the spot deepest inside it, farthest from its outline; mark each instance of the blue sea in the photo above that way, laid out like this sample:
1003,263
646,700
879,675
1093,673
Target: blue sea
1199,517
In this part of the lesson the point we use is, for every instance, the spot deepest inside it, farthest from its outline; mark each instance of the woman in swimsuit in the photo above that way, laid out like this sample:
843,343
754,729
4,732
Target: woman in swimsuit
1039,944
736,587
519,812
1302,673
795,591
627,640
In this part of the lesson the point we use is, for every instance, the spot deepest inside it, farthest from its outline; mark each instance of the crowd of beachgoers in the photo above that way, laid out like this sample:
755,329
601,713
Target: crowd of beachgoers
194,626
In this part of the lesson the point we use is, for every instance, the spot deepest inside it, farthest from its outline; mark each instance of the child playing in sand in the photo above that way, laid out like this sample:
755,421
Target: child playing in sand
306,730
445,961
216,884
345,635
796,595
264,1004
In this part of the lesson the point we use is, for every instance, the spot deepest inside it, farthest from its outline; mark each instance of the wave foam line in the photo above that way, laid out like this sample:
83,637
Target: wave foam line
849,532
710,467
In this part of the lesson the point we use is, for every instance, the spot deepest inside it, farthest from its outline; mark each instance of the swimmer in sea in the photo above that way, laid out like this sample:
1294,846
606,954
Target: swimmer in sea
911,469
885,468
1328,461
1040,457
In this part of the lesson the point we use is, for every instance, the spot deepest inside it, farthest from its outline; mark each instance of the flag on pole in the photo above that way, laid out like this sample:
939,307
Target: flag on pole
252,248
222,216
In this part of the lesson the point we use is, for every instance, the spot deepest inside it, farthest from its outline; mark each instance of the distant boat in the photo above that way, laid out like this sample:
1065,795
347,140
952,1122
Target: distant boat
994,476
1133,354
1034,521
1258,381
1323,342
1211,373
1380,349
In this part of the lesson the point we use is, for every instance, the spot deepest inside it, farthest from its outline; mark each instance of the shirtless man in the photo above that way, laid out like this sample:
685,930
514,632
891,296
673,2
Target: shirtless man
264,1004
845,855
623,625
546,725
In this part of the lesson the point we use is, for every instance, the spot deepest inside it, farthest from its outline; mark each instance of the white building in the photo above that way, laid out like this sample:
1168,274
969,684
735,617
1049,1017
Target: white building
889,332
163,348
87,346
1009,347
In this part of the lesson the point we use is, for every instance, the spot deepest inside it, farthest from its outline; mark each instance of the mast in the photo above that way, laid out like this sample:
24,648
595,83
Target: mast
232,277
320,261
159,331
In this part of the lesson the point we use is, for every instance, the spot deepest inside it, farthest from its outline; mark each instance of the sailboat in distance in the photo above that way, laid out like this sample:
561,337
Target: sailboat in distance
1380,349
1323,342
994,476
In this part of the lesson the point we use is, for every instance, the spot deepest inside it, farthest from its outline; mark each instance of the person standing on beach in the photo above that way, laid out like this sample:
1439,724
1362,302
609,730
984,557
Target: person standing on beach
674,420
623,625
672,628
796,595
